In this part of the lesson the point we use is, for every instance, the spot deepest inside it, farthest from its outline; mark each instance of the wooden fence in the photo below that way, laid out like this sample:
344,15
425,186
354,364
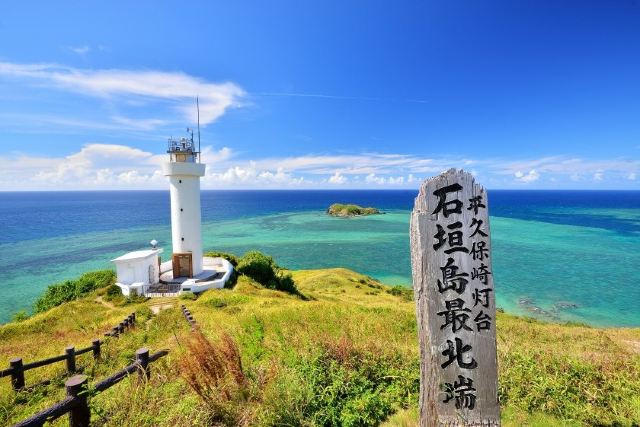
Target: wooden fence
17,368
189,317
76,403
129,321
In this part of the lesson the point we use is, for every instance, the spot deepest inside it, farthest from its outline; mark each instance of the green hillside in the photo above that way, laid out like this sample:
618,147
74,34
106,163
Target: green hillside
342,351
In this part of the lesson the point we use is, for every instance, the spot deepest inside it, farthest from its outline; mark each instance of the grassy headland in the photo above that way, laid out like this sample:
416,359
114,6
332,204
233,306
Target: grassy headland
348,210
344,354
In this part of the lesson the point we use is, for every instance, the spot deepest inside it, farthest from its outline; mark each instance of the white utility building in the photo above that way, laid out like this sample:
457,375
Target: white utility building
142,272
138,270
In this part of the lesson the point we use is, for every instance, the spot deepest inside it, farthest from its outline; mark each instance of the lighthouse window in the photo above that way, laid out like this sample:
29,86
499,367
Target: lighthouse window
181,209
180,181
183,239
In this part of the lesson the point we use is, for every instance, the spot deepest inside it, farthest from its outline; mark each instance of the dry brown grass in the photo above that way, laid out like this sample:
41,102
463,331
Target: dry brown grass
214,372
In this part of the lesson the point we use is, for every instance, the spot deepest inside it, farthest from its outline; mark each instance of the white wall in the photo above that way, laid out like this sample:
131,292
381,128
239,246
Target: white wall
186,234
137,270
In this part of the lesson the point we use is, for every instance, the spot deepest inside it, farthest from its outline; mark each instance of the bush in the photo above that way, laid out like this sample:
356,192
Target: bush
264,270
189,296
19,316
229,257
259,267
113,292
143,313
95,280
70,290
402,292
342,385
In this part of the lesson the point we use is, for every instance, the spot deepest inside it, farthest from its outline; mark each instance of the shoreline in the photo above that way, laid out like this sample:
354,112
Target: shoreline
520,313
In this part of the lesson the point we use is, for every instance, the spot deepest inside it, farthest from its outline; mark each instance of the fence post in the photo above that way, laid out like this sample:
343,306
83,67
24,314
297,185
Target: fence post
71,359
17,373
96,349
80,415
142,358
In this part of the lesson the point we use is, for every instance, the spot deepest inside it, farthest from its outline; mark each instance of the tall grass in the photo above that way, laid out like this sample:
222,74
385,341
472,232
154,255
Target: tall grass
214,372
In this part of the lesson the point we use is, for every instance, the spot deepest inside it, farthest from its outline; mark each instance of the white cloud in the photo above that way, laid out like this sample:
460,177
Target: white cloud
176,88
337,178
372,178
249,176
532,176
80,50
111,166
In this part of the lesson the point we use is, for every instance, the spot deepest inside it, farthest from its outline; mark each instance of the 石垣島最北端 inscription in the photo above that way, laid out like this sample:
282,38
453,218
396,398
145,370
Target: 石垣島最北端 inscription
455,303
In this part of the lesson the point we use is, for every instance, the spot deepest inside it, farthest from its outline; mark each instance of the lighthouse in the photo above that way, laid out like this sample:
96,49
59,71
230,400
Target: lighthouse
184,171
142,272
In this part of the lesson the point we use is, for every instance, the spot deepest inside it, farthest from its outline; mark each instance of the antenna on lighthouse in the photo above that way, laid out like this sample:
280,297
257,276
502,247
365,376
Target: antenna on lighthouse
199,152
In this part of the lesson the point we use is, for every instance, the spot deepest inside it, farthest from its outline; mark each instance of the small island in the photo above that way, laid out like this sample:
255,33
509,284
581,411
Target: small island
349,210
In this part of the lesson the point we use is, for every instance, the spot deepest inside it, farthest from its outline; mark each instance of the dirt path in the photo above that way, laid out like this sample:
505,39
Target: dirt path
105,303
156,308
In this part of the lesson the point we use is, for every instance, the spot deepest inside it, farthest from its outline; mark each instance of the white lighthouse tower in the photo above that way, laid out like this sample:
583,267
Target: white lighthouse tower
184,171
142,272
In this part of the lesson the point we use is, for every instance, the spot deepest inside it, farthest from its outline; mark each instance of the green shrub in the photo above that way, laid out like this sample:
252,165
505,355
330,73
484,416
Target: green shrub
229,257
113,292
259,267
287,284
264,270
143,313
341,385
402,292
94,280
189,296
134,298
70,290
19,316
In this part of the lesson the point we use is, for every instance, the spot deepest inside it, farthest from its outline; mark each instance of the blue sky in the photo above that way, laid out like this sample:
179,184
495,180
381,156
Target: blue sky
331,94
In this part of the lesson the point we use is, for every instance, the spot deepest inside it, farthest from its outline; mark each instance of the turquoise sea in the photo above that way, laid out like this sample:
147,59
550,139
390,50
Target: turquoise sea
558,255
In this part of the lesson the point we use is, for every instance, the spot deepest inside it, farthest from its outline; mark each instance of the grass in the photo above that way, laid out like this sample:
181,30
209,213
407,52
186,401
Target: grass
345,355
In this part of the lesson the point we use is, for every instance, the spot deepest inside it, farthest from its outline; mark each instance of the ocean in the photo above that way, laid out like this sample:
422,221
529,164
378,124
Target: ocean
558,255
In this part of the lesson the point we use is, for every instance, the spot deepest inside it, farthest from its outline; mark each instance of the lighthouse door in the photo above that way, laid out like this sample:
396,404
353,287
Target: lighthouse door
182,265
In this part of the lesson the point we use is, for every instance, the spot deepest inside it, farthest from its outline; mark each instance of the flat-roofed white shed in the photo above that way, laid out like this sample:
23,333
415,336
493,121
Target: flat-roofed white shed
137,270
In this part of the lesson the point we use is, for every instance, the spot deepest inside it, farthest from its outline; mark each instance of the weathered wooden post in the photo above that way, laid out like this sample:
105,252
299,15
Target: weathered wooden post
455,303
17,373
80,414
70,352
95,348
142,358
